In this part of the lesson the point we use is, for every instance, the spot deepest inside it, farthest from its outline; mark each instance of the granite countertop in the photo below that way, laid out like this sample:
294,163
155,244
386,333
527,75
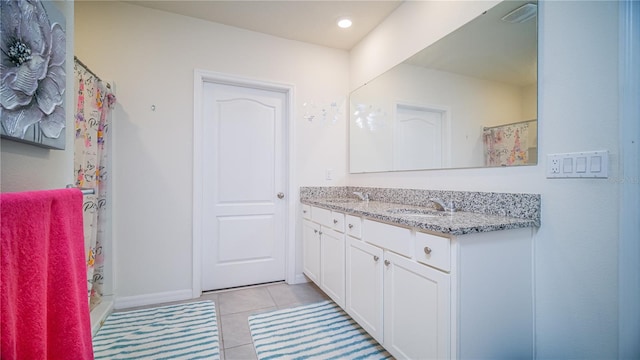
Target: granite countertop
456,223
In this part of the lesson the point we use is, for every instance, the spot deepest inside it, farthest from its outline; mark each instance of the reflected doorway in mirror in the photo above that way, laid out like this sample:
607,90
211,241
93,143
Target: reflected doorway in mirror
422,138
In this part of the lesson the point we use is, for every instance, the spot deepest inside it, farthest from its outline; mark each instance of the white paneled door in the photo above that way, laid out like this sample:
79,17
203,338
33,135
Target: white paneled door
244,184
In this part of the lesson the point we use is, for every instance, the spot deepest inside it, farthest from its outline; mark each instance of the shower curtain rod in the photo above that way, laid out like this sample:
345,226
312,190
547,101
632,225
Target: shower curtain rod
89,70
513,123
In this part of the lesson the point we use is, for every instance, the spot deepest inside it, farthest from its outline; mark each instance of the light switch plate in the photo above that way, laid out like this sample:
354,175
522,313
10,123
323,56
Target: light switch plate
585,164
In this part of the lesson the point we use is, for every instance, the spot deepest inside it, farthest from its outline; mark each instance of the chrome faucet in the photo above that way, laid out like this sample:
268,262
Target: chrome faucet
361,195
442,206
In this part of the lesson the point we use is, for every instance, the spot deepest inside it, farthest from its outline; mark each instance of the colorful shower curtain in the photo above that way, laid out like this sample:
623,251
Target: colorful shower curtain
94,100
506,145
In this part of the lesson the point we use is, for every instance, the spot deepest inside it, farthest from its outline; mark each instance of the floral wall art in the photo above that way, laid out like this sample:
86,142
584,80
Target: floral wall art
32,70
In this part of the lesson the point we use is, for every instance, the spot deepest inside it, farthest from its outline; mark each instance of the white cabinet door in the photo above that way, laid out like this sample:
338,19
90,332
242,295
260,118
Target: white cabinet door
332,275
416,309
311,250
364,286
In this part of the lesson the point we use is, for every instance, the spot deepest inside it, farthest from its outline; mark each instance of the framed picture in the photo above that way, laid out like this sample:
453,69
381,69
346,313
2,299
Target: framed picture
33,73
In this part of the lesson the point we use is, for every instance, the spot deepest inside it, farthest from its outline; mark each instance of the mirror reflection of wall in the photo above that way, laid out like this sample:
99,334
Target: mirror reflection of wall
449,106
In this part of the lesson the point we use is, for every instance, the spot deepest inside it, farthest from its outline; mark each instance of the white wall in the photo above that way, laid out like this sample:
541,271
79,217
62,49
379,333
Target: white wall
530,102
151,55
27,167
576,246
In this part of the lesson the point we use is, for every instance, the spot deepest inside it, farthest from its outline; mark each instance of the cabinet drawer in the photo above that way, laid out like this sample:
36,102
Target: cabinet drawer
394,238
354,226
321,216
433,250
337,221
306,211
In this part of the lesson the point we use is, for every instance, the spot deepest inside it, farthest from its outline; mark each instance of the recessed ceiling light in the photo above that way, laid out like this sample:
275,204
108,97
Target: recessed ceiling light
344,23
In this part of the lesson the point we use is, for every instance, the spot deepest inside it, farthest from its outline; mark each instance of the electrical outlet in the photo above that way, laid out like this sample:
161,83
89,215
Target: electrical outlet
328,174
553,165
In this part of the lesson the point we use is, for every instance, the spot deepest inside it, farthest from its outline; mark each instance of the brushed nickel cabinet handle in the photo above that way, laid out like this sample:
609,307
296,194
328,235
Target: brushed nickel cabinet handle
350,226
427,250
387,262
335,221
375,258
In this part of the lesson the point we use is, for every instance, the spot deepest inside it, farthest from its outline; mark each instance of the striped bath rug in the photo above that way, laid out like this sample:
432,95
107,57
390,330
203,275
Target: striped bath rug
317,331
184,331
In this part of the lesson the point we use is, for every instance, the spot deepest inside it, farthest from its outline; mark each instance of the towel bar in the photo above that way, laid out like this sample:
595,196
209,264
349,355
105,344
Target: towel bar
85,191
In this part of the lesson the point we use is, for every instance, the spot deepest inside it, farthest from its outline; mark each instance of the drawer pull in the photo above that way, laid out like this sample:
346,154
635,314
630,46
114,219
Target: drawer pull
335,221
315,231
350,226
427,250
304,211
387,262
375,258
320,232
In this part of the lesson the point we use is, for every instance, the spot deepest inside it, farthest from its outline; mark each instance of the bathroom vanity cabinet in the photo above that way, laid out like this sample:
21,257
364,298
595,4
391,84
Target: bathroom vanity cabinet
324,251
404,305
425,295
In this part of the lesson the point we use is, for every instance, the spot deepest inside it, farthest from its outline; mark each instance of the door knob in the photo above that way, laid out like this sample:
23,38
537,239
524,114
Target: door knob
280,195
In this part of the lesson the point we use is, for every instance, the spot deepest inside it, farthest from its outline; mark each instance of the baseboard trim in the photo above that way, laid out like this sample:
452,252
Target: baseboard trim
300,279
152,299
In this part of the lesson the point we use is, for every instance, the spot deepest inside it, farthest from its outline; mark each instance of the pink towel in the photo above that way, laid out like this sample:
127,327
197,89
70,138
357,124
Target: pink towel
44,305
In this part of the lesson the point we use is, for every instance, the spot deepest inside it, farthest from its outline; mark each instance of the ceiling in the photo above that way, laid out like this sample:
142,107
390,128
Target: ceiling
308,21
487,48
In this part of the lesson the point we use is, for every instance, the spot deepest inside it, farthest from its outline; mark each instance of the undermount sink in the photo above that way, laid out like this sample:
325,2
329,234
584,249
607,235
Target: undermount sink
415,212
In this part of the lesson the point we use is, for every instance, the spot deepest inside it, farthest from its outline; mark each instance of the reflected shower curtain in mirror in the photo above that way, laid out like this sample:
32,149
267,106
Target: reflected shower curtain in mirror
506,145
93,102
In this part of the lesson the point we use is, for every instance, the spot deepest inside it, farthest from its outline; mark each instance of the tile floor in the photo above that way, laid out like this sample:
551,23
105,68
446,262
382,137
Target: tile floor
233,308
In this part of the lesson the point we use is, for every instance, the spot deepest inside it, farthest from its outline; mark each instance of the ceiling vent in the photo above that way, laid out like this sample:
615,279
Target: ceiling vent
521,14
